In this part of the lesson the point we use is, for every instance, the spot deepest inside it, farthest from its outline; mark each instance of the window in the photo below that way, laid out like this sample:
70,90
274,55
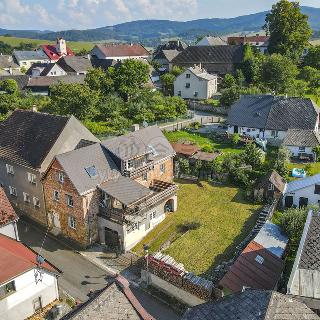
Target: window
9,169
136,226
259,259
91,171
36,202
302,149
153,215
271,187
37,304
56,195
26,197
13,191
187,85
274,134
72,222
188,75
61,177
162,168
317,189
69,200
7,289
196,93
248,130
145,176
32,178
179,93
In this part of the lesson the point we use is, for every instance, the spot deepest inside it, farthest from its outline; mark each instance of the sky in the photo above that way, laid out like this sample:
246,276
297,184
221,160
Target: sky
86,14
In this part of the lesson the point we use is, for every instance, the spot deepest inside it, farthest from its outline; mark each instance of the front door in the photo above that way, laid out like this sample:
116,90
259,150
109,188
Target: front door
303,202
288,201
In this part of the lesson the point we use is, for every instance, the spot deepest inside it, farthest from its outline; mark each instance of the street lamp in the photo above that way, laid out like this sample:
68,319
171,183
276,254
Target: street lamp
146,251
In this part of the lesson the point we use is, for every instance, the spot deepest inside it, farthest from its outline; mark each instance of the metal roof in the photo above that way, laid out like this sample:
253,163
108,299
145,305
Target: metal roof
302,183
30,55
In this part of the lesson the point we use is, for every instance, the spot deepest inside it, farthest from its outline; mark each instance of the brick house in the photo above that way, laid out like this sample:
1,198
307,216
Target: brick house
114,192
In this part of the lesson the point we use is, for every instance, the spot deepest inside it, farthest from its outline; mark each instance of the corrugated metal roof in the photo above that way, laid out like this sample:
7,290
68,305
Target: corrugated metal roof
302,183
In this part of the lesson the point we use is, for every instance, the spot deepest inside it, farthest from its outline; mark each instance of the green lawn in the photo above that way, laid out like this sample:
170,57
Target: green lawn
201,141
75,46
222,219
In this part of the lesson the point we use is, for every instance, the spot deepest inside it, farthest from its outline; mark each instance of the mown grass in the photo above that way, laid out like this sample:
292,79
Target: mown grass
75,46
222,219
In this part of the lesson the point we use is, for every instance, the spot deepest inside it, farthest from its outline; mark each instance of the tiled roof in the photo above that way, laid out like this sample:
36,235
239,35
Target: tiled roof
185,149
147,140
30,55
52,53
7,213
275,178
302,183
104,64
75,163
75,63
166,54
172,45
22,80
26,137
205,156
301,138
247,39
252,305
202,73
6,61
213,41
43,67
49,81
123,50
248,272
210,54
273,113
17,259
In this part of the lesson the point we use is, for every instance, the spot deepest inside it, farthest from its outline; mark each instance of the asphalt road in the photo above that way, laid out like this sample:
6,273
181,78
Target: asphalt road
80,275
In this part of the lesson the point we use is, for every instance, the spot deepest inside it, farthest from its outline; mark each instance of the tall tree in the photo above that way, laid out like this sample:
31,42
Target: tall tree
288,28
100,81
312,59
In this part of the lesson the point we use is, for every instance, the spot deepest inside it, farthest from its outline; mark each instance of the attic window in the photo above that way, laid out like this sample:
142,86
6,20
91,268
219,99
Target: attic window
92,171
153,150
259,259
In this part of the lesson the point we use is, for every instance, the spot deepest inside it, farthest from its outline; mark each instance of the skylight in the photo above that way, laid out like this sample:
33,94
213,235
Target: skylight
153,150
259,259
92,171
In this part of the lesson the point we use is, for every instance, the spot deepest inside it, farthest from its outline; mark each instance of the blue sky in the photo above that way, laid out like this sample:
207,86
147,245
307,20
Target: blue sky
82,14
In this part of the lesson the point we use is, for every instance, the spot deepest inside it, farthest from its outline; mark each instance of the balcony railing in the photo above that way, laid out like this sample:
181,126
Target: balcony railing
136,172
113,214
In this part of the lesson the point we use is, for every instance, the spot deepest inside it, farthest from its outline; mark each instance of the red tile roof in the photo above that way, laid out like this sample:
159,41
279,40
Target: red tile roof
185,149
123,50
249,39
52,53
16,259
247,272
7,213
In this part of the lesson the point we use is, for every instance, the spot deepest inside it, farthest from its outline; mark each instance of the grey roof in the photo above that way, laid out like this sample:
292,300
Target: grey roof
301,138
49,81
272,238
273,113
252,305
43,67
111,303
201,73
75,163
139,143
30,55
213,41
7,61
126,190
22,80
302,183
75,64
274,178
166,54
310,255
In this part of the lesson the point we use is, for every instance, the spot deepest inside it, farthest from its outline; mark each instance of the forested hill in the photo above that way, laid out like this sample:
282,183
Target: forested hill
150,31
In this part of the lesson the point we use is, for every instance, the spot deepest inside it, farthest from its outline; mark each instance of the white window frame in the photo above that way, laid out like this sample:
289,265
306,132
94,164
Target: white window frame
152,215
10,169
72,222
56,195
26,197
271,187
162,168
61,177
136,226
69,203
32,178
13,191
36,202
259,259
302,149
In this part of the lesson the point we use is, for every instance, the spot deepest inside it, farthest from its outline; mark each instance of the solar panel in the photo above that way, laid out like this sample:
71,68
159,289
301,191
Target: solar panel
92,171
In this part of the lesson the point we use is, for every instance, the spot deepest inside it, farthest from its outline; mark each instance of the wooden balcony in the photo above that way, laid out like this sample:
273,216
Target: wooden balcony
137,172
113,214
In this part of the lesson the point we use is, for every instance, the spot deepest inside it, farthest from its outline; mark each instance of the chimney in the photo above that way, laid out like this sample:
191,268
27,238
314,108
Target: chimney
34,108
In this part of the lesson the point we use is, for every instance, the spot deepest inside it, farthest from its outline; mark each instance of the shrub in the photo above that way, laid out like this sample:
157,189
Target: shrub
235,138
207,148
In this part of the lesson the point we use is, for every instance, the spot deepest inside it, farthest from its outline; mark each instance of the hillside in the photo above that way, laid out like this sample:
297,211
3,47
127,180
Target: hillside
151,31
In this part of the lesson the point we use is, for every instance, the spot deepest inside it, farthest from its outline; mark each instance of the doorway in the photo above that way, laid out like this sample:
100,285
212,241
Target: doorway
288,201
303,202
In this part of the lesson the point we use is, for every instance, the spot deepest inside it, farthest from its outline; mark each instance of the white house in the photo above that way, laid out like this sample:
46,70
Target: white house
271,117
196,83
46,69
302,192
28,58
26,286
8,217
119,52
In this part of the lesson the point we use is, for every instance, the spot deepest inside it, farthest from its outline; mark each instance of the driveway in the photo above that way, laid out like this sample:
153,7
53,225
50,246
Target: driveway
80,275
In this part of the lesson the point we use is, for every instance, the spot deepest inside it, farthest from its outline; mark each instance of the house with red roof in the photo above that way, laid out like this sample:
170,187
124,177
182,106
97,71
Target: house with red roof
8,217
28,282
55,52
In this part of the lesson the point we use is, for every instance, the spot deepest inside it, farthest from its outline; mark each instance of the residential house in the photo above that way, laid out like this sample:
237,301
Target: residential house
8,66
253,305
8,217
114,192
196,84
28,143
28,282
260,264
172,45
45,70
75,65
116,299
215,59
301,143
302,192
41,85
271,117
258,41
119,52
304,280
27,58
164,58
57,51
211,41
270,187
